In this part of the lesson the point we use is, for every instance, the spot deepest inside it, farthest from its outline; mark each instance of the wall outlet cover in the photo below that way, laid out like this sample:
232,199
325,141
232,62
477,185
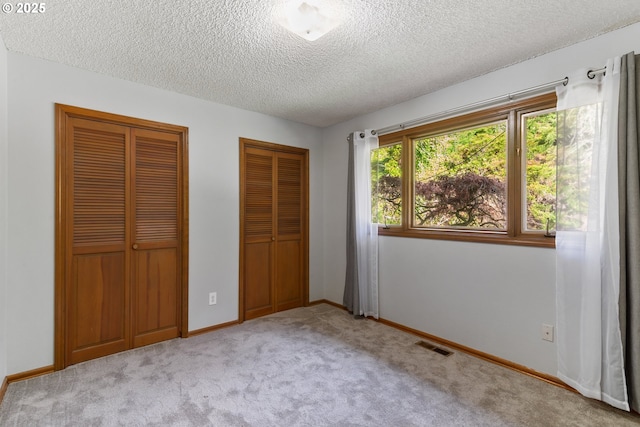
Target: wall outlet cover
547,332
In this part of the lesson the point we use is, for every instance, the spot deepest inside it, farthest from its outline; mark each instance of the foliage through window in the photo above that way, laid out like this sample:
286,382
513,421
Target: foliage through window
460,178
386,184
540,157
487,176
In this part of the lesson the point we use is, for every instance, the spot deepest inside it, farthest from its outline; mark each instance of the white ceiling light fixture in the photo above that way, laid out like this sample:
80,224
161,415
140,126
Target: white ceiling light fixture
310,19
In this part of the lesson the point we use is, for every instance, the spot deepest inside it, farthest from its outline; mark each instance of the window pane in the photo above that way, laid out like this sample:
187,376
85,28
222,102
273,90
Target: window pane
460,179
386,184
540,177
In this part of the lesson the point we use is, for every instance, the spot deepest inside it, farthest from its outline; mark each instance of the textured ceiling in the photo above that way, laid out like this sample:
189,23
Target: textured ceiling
234,52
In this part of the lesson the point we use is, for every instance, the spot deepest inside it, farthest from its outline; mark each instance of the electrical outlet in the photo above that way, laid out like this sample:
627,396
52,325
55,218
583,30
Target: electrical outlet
547,332
213,298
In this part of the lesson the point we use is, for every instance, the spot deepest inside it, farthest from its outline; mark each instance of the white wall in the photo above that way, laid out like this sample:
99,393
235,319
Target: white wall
34,86
489,297
3,208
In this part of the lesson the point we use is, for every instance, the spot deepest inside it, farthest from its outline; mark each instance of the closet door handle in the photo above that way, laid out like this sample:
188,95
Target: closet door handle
135,246
273,238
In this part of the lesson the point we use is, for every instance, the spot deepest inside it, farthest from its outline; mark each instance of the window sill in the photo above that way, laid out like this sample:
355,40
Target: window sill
535,240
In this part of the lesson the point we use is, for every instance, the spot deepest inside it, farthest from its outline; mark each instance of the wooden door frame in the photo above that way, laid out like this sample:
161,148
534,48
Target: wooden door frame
244,143
62,114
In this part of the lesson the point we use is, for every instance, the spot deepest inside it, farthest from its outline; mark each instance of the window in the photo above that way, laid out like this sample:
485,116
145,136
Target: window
386,184
487,176
539,159
461,179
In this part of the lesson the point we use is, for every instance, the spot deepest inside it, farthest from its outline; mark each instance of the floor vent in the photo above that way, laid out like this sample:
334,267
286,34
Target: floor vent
432,347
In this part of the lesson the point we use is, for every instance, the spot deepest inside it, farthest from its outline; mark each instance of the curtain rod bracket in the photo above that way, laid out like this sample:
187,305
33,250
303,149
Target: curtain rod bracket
593,73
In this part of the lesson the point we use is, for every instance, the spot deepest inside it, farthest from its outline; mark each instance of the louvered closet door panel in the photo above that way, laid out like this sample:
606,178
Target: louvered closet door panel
155,227
258,230
290,214
96,203
258,213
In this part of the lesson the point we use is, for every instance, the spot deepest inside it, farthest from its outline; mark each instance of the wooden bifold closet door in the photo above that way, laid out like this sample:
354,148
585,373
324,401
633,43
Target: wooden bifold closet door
274,230
120,234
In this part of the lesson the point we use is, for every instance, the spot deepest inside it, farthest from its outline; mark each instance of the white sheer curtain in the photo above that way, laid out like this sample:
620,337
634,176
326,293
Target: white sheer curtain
590,356
361,283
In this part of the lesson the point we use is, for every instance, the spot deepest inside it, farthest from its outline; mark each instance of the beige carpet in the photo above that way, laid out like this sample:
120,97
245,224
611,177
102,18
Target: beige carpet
314,366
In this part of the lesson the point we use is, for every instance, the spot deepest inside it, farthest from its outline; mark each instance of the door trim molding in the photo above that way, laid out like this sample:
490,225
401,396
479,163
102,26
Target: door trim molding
246,143
62,114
